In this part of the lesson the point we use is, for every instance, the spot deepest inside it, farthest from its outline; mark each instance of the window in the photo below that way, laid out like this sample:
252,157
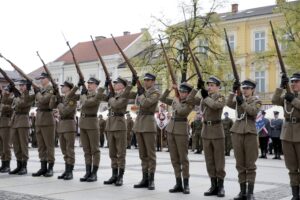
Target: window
260,78
259,41
69,79
202,46
231,42
286,38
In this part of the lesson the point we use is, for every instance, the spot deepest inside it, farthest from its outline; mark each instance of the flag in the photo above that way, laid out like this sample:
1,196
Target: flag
260,123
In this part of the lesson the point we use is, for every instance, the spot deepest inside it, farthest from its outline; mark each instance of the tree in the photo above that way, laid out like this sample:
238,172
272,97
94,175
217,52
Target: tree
201,32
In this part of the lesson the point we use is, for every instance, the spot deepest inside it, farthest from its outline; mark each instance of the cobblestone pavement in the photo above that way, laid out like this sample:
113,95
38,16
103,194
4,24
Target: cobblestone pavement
271,182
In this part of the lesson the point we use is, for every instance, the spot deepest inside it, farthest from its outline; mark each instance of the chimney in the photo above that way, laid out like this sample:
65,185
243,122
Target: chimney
100,37
234,8
126,33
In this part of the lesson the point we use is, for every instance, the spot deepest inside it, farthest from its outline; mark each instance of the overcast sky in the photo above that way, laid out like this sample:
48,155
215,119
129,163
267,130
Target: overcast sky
31,25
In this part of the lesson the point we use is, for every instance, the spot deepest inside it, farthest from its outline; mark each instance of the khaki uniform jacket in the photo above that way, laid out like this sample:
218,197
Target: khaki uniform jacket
89,106
129,123
6,110
290,131
67,112
181,110
212,108
22,105
249,108
44,117
117,104
147,103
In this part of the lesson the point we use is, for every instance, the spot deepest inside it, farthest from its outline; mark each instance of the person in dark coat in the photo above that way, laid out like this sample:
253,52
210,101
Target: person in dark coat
276,127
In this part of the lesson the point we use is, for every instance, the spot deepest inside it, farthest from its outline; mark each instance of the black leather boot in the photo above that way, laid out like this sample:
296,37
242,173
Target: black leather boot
23,169
213,190
41,171
186,187
250,195
93,176
113,177
6,167
144,182
69,172
49,172
62,176
242,195
221,191
178,187
295,192
119,181
151,185
88,169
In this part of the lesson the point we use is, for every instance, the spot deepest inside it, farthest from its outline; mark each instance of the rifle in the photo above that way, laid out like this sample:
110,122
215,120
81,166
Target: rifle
169,67
235,73
283,69
11,82
20,71
55,86
133,71
111,88
196,66
79,72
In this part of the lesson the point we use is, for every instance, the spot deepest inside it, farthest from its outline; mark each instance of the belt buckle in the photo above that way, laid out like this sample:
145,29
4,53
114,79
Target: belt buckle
209,123
294,120
112,114
83,115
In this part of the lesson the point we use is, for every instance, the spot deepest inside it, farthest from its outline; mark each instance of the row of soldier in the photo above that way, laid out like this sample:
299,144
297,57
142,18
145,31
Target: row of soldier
14,117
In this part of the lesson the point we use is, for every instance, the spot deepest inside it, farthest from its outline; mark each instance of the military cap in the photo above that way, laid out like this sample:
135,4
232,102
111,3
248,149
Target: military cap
295,76
121,80
93,80
263,112
149,76
213,79
42,76
22,82
68,84
225,113
248,83
185,87
276,112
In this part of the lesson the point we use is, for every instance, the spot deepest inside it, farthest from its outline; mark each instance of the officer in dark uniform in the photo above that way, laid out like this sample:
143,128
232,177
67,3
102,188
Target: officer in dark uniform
196,126
227,124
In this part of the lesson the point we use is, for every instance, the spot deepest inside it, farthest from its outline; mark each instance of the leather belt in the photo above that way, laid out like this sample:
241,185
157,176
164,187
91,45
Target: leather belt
211,123
6,115
146,113
67,118
87,115
112,114
293,120
45,110
177,119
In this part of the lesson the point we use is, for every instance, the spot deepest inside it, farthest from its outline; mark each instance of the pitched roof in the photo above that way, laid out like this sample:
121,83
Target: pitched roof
36,72
14,75
85,52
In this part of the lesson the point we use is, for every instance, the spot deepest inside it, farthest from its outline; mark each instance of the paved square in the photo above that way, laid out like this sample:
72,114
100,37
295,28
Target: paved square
272,180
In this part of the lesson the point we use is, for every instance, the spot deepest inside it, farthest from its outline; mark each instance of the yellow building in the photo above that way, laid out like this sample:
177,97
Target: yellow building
250,35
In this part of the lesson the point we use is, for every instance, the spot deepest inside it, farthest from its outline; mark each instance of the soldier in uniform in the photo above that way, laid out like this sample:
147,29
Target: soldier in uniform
145,129
263,136
196,126
275,132
20,126
102,124
213,137
244,136
6,113
45,127
129,123
66,127
116,129
227,124
290,136
178,136
89,128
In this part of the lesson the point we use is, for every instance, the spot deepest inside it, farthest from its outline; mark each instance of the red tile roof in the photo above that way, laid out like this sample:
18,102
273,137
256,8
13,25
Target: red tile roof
85,52
36,72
